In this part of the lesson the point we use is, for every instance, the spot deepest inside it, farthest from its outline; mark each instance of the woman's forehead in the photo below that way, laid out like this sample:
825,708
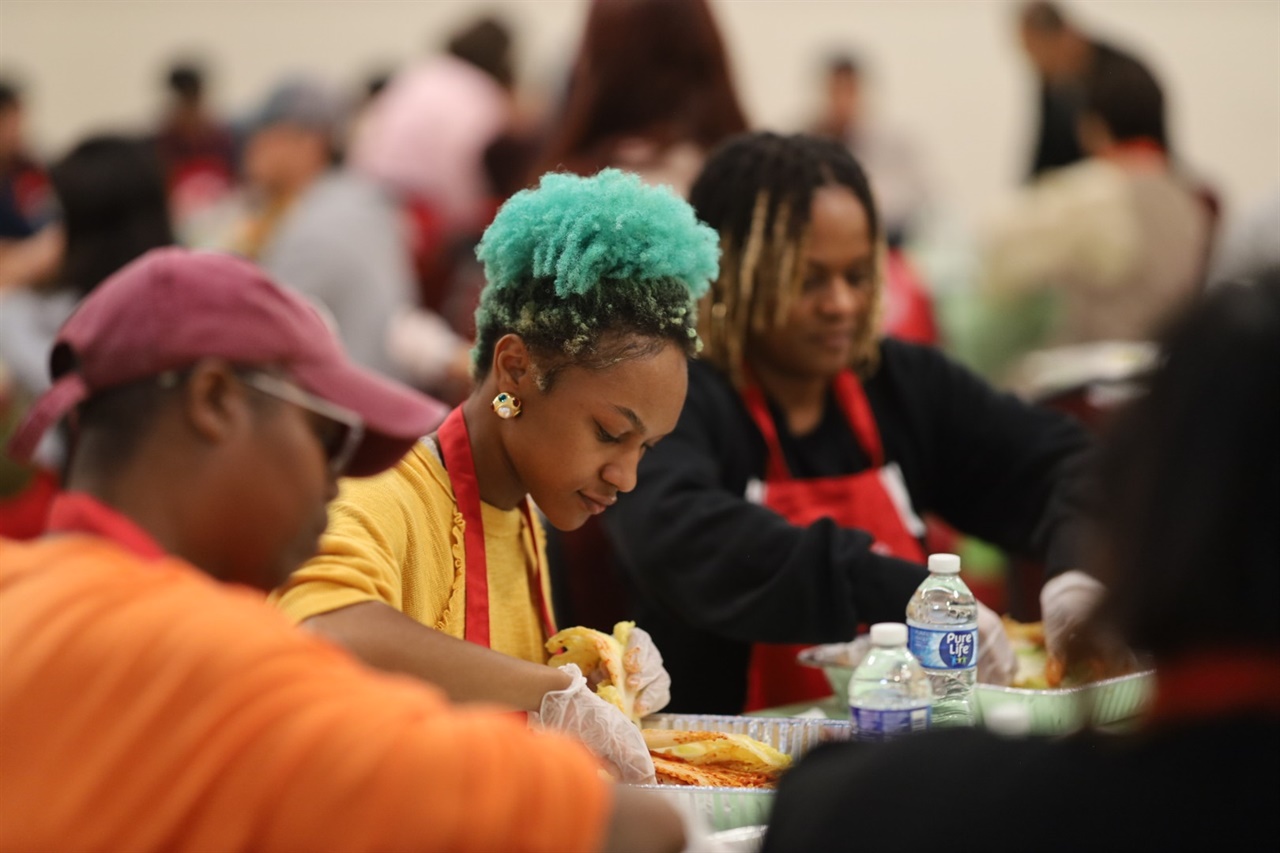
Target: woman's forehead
838,228
637,388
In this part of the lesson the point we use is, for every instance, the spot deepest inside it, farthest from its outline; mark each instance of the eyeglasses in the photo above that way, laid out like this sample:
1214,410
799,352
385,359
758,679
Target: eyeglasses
338,429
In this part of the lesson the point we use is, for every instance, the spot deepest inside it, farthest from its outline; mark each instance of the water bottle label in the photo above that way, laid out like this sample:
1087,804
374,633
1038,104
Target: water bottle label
944,649
870,724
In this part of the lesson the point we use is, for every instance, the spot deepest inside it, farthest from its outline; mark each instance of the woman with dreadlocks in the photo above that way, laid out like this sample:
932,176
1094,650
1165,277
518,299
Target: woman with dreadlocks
786,506
436,568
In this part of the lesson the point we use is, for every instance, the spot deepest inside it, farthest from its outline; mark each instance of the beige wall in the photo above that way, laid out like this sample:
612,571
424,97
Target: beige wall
948,70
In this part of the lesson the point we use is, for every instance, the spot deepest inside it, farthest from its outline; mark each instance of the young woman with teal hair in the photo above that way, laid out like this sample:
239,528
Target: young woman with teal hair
437,568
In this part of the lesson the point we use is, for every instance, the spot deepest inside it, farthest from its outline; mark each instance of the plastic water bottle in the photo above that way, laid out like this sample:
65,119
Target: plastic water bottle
943,620
889,693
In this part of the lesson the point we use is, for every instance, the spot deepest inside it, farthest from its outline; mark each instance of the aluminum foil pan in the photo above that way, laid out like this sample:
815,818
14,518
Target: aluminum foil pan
730,808
1101,703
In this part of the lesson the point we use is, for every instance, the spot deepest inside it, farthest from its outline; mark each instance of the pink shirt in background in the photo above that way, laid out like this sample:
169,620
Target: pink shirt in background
426,135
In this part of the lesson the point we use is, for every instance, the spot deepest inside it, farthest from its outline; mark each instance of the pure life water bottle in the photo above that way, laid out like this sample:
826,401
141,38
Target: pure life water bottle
942,618
889,693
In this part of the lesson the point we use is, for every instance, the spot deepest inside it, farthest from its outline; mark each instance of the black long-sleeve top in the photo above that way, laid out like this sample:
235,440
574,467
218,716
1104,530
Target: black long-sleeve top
712,572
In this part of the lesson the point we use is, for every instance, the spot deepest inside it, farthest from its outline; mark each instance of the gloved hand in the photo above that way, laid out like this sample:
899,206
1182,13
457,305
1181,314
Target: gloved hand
647,679
997,663
1065,602
602,728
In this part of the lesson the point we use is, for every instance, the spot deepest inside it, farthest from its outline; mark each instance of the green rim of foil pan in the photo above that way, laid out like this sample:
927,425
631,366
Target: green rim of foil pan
730,808
1102,703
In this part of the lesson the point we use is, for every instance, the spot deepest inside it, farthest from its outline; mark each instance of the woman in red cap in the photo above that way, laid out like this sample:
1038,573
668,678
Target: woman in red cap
148,707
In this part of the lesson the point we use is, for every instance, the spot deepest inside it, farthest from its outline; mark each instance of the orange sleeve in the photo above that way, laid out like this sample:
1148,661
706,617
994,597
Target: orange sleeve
144,706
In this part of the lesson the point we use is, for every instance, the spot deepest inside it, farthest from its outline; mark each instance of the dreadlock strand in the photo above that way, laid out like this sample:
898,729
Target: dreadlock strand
784,250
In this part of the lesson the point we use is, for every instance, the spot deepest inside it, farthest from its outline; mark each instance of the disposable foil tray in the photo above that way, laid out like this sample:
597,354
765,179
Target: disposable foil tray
729,808
1100,703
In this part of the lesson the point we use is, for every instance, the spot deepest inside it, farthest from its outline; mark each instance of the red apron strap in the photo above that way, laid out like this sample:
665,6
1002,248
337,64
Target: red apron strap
775,462
853,401
455,448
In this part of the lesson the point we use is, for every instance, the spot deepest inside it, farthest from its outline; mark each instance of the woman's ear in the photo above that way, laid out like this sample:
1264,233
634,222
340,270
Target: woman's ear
511,362
213,400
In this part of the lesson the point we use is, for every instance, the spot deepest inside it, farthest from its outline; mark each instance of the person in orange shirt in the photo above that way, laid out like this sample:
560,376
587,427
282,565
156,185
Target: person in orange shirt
144,704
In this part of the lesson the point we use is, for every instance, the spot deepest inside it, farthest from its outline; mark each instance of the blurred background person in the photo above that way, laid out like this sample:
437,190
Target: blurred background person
1188,495
889,157
1250,245
899,184
448,138
427,131
111,196
338,238
28,248
1121,239
1062,55
650,92
196,149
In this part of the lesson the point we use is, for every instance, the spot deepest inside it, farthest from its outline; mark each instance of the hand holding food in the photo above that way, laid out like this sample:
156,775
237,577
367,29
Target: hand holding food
625,667
599,725
628,674
646,677
1038,669
1065,602
996,661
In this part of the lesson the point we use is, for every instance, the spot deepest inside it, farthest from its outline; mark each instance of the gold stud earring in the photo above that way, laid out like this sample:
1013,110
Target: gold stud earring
506,406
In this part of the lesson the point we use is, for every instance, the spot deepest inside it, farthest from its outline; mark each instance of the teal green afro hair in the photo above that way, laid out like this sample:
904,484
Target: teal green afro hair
591,271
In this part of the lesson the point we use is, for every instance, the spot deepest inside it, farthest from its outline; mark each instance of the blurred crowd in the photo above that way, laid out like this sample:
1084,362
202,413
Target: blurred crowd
369,198
409,166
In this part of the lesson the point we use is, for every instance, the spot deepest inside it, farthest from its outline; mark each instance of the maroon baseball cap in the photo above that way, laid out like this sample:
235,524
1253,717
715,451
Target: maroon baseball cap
173,307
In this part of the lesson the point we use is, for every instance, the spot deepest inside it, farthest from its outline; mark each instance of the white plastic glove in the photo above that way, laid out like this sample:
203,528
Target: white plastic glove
997,662
1065,602
602,728
647,679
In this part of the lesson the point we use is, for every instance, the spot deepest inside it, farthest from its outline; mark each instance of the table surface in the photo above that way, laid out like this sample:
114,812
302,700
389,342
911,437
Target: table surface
833,709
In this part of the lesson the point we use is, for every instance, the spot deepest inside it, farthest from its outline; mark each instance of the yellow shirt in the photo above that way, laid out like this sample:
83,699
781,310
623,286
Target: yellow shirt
398,538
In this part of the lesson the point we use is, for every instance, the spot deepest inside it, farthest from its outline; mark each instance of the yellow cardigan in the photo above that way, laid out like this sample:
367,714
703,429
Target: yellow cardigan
398,538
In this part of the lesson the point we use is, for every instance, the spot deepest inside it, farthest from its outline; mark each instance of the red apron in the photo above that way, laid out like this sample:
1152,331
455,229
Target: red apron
455,450
874,500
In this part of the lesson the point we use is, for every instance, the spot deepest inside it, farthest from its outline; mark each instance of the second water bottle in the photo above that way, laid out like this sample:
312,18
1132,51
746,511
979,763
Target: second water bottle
889,693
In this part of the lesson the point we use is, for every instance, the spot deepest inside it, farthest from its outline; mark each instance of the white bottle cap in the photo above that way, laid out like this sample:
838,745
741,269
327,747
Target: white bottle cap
888,634
944,564
1008,719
